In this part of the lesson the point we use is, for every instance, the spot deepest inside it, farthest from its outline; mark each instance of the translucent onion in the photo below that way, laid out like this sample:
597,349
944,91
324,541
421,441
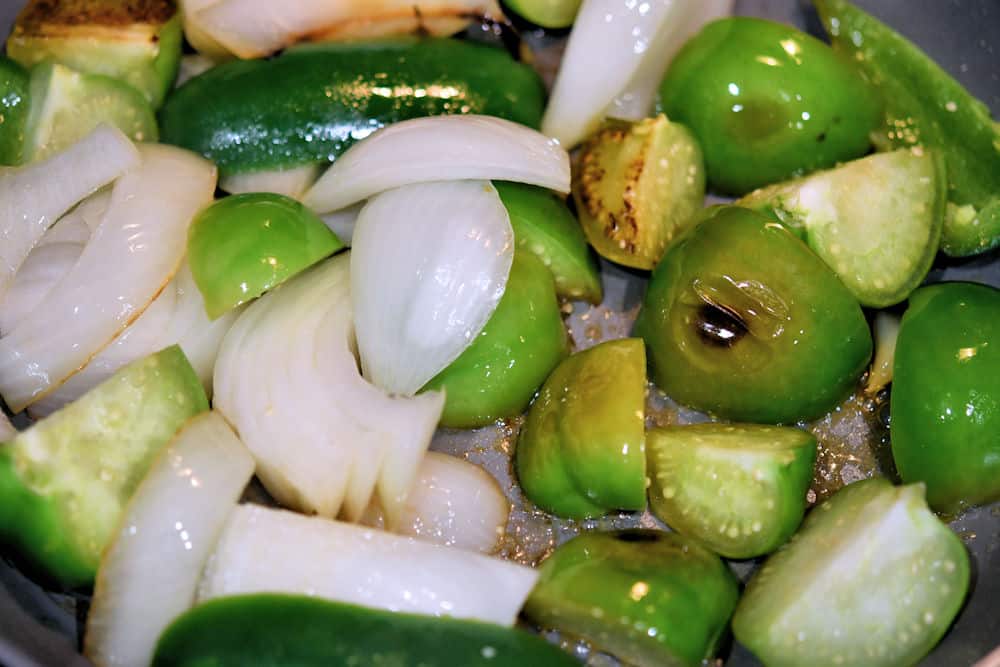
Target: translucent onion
617,47
41,271
342,222
130,258
325,440
255,28
270,550
440,148
453,503
150,572
429,264
289,182
886,331
33,197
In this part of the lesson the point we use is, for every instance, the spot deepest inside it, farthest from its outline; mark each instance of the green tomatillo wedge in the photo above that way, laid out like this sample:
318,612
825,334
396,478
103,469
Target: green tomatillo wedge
742,320
544,225
524,339
243,245
739,489
945,401
873,579
13,111
65,481
310,104
636,186
546,13
274,629
875,221
925,106
767,102
136,42
581,451
651,598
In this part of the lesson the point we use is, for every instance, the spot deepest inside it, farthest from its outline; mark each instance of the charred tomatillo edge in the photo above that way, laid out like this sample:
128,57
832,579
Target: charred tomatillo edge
310,104
875,221
649,597
581,451
546,13
274,628
871,579
925,106
13,110
243,245
138,43
524,339
767,102
732,327
65,481
66,105
738,489
637,186
945,400
544,225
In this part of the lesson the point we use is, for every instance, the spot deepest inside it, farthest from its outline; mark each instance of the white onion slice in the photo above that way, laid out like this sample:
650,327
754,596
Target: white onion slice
33,197
130,258
325,440
453,503
196,36
255,28
150,572
7,430
268,550
607,54
429,264
635,102
440,148
342,222
176,316
41,271
193,65
289,182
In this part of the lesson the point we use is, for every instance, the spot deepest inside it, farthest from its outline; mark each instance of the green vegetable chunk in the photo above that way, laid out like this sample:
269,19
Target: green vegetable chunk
945,401
272,630
875,221
767,102
738,489
925,106
637,186
651,598
524,339
742,320
581,451
547,13
65,481
242,246
311,103
13,111
136,42
544,225
873,579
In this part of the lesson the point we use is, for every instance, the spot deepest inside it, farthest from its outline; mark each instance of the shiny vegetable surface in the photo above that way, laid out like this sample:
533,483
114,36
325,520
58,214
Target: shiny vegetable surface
13,110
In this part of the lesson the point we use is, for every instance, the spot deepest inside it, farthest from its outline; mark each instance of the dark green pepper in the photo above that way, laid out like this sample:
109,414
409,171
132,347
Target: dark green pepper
13,111
767,102
945,402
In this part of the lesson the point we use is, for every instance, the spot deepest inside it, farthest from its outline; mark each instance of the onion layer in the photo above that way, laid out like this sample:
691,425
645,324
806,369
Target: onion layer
130,258
289,182
429,264
150,572
440,148
325,440
7,430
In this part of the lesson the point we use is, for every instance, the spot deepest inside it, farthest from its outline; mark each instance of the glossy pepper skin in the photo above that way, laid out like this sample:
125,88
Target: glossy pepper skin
14,84
522,342
310,104
767,102
649,597
925,106
945,401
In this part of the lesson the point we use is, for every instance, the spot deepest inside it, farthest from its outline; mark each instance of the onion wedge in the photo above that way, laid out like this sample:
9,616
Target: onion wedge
440,148
289,182
325,440
453,503
614,42
256,28
149,574
266,550
429,264
130,258
342,223
33,197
